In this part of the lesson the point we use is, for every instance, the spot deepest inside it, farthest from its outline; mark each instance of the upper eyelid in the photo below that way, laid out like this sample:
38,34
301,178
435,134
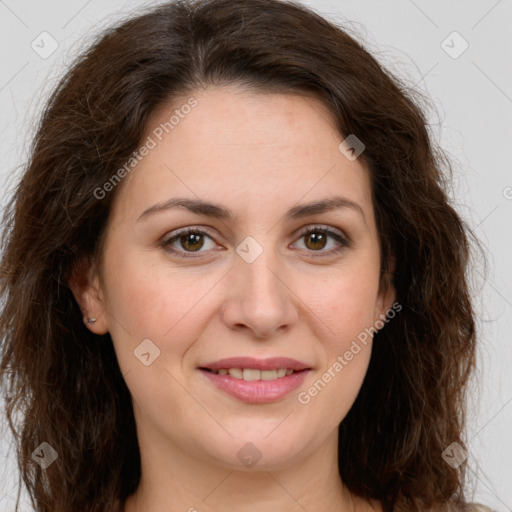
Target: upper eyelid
189,229
321,227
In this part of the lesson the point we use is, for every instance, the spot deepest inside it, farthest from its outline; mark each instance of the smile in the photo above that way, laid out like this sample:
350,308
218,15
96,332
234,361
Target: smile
256,380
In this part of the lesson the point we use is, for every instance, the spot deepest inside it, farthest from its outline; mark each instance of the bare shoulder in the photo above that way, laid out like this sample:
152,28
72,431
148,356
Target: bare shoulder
450,507
373,505
468,507
478,507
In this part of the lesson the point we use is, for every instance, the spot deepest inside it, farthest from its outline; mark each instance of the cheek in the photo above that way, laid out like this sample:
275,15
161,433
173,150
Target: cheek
329,397
346,302
346,352
157,303
168,308
345,307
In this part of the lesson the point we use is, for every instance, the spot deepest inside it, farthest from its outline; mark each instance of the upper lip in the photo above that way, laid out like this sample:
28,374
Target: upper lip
271,363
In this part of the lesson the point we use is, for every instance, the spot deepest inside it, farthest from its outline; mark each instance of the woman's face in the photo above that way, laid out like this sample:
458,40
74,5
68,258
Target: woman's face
252,172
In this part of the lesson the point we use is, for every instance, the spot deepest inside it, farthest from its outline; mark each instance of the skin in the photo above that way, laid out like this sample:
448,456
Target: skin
257,155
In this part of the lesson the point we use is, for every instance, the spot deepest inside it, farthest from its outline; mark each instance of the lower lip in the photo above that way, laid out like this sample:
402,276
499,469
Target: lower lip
257,391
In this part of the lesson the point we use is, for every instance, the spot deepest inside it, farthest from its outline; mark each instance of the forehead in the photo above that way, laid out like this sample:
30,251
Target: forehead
237,144
226,114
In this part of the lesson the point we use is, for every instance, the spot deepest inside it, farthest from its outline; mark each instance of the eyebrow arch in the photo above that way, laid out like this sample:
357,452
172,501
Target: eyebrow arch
322,206
213,210
197,206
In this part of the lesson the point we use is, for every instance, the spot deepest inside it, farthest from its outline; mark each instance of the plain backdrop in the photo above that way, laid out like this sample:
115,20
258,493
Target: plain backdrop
459,53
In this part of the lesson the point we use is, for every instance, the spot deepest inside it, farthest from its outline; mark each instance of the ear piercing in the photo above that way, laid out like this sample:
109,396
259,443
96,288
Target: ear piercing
91,320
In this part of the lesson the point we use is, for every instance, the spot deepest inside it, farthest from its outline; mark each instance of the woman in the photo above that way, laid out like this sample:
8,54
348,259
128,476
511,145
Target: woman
233,279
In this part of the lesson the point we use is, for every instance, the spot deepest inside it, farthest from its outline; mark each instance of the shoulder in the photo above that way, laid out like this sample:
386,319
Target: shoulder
455,507
478,507
468,507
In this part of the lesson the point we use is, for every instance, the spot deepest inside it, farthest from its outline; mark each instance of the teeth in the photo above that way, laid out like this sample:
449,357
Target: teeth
268,374
237,373
251,374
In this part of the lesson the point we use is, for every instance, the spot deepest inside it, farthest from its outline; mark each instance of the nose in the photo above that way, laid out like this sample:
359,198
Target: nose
259,300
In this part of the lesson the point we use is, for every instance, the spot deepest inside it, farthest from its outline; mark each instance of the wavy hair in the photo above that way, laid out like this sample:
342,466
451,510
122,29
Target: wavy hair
63,385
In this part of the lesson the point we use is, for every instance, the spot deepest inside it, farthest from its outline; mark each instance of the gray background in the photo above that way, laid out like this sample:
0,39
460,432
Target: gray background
471,117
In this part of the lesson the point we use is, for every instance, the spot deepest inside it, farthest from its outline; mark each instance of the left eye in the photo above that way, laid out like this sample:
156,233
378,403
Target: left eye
317,238
189,241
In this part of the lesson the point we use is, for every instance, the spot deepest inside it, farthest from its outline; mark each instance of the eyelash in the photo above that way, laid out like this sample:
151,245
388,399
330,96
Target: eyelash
342,241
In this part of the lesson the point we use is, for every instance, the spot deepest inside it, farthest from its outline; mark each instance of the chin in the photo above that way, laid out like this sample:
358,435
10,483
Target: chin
259,452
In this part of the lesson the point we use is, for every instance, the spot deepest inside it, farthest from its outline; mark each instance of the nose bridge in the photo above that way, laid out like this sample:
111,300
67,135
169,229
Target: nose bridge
260,300
258,276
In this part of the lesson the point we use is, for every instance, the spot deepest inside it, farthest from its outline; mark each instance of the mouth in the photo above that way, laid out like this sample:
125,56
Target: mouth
256,380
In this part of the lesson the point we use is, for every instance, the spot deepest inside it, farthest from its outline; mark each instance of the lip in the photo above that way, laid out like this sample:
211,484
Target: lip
257,391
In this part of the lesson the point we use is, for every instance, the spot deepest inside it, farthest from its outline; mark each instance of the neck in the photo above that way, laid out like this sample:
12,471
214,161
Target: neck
172,480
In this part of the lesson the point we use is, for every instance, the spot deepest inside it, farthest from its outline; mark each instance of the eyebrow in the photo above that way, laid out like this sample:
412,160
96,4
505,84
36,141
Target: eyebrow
217,211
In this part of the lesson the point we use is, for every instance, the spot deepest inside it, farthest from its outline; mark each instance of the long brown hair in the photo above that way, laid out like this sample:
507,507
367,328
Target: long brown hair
63,384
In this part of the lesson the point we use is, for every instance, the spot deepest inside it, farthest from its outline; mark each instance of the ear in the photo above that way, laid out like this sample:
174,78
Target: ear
387,292
85,285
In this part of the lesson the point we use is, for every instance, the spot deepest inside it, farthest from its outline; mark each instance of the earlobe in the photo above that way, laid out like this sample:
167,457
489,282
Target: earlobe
85,286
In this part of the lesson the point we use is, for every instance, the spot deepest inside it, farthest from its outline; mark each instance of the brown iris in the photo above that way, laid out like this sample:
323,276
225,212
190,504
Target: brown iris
192,241
316,240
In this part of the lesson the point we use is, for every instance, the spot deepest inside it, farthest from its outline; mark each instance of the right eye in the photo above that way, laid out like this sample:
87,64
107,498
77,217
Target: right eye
189,241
